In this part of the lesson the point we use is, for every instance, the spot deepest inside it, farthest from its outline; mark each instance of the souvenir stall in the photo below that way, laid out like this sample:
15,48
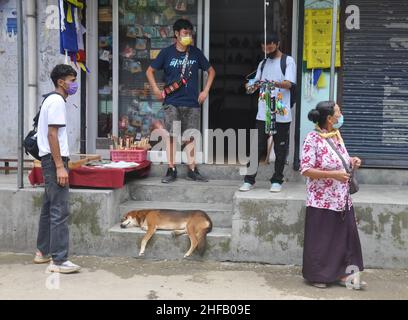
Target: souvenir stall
128,155
91,171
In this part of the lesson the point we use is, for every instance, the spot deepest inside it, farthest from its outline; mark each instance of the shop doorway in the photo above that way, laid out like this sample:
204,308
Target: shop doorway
235,27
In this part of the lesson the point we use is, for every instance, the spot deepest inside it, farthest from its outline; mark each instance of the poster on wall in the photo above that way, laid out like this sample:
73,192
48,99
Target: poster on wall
8,45
8,24
318,36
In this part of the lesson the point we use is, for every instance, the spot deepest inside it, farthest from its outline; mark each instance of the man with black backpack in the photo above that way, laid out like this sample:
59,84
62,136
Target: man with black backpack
280,69
52,138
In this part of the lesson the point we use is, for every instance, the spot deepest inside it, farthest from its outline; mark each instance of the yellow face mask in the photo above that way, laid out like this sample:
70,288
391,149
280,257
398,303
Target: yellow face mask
186,41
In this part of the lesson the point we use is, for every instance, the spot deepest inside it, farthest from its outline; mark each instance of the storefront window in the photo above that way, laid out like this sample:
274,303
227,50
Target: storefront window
145,27
105,68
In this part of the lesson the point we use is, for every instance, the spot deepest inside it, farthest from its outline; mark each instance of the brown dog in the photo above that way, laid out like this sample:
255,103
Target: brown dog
195,223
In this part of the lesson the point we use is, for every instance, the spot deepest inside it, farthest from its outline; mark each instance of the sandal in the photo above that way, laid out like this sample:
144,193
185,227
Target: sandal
349,282
319,285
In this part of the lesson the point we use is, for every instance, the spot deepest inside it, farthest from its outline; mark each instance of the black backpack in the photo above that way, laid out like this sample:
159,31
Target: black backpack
30,141
283,68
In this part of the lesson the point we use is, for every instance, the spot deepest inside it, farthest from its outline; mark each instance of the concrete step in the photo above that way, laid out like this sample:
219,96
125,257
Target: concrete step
228,172
162,245
368,194
269,227
220,214
367,176
214,191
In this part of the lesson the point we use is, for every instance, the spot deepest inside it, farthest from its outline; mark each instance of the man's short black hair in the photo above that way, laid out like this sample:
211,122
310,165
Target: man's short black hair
182,24
62,71
270,38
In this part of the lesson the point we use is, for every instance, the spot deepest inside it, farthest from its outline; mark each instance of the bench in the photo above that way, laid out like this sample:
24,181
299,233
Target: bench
7,168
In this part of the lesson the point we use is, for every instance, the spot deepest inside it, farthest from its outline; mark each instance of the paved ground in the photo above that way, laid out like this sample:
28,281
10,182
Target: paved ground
120,278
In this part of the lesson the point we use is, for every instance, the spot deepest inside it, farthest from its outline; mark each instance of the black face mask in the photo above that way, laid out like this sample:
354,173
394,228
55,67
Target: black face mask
271,55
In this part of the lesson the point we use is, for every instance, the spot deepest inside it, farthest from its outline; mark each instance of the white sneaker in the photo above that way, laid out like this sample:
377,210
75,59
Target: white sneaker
66,267
276,187
246,187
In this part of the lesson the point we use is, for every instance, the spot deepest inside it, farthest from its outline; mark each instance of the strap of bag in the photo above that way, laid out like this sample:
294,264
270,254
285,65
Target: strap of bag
263,67
37,116
185,62
330,142
283,63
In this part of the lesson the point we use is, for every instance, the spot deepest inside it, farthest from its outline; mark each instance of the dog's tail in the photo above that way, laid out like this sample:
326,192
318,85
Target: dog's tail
202,236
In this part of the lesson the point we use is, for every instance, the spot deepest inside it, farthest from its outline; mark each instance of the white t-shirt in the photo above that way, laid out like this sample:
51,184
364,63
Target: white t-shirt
273,72
53,112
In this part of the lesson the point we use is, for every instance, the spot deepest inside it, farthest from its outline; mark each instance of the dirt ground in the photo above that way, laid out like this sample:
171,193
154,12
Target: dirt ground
139,279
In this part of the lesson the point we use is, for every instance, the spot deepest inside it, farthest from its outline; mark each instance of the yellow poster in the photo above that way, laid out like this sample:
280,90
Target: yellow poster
318,38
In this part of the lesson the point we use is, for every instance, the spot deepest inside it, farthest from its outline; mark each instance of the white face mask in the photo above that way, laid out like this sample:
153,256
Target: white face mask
339,123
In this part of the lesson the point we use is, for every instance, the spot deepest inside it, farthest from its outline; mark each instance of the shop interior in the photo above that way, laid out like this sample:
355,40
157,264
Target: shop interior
235,29
145,27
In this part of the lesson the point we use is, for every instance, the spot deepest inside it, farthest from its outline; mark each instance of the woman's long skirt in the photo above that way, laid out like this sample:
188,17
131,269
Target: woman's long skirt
332,246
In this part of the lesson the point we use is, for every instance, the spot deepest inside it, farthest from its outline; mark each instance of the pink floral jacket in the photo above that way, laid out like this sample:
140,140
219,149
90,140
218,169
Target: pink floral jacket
324,193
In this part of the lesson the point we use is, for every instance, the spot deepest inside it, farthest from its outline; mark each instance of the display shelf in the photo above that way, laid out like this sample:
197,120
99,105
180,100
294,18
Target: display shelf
143,32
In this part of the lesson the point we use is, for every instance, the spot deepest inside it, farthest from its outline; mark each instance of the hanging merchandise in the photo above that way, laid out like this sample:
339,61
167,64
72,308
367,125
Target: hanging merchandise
316,76
266,94
72,32
322,83
267,91
280,106
309,85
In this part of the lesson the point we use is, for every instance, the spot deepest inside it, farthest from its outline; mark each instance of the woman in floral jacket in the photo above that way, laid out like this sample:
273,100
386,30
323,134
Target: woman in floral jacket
332,250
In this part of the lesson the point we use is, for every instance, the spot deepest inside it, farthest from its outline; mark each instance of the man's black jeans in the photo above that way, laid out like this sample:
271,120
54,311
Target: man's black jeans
280,145
53,234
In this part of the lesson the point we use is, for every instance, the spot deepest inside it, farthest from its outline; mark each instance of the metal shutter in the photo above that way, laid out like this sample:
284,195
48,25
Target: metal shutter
375,89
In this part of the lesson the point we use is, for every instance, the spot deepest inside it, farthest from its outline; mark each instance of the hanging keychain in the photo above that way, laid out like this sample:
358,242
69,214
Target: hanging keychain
270,106
280,106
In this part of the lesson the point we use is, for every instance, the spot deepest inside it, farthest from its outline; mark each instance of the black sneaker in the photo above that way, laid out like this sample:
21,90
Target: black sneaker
195,176
171,175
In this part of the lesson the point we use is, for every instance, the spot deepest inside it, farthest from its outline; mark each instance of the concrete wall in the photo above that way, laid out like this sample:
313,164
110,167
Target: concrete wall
8,81
268,230
48,57
272,230
265,228
92,214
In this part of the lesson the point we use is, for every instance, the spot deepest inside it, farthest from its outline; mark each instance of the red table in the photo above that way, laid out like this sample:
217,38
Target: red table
96,177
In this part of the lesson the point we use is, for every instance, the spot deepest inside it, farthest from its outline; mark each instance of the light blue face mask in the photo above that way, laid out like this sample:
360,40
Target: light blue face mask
339,123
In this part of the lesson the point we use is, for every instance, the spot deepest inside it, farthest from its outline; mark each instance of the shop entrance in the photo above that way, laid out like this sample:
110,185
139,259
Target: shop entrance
235,27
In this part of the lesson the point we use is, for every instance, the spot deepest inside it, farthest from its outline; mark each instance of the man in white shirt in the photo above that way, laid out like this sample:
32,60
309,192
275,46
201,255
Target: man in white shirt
281,69
52,138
